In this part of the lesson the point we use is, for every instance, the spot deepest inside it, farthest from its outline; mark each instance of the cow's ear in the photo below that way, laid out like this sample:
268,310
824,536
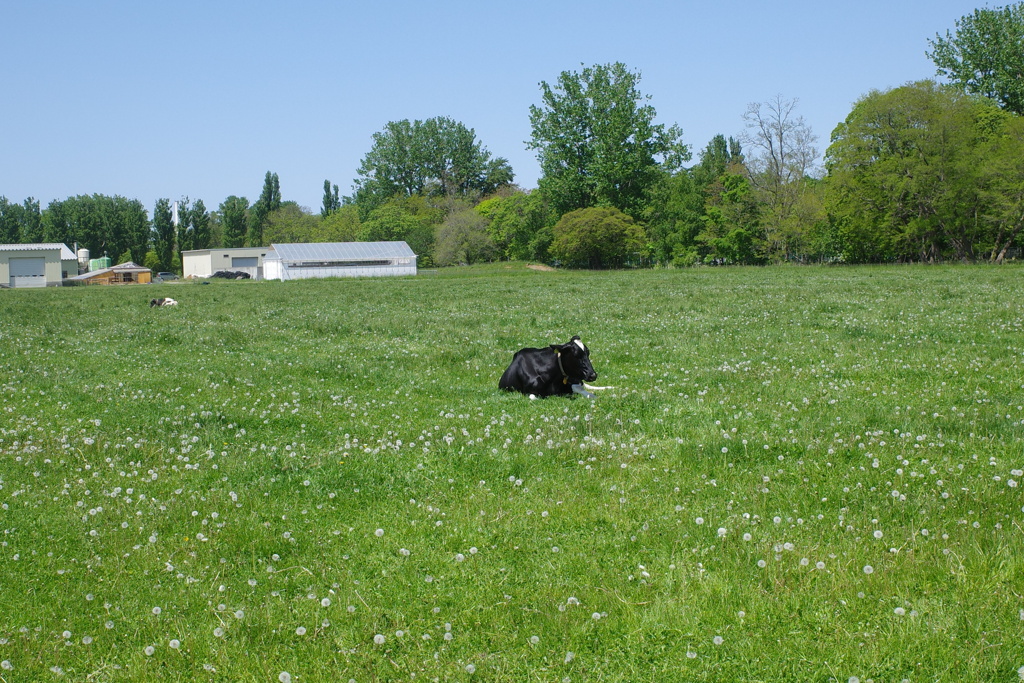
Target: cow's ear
557,348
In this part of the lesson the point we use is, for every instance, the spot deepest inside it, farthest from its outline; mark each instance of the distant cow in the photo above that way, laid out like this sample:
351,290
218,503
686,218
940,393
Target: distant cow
556,370
164,301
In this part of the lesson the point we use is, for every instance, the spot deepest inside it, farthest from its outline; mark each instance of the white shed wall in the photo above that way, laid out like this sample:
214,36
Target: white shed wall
277,270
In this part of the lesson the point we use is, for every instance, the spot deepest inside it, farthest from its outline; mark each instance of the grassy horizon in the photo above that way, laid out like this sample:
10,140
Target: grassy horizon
800,474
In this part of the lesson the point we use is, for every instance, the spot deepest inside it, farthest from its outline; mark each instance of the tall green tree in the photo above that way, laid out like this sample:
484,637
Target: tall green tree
985,56
332,202
233,212
438,157
199,223
163,234
905,174
184,233
10,231
269,201
104,225
597,143
20,222
676,211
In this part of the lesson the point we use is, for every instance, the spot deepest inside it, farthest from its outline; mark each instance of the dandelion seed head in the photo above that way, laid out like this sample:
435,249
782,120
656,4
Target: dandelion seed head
284,677
174,643
379,639
868,569
718,640
149,650
378,533
470,669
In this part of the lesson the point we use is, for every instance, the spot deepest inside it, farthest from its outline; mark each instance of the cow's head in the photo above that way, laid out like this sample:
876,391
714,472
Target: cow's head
574,360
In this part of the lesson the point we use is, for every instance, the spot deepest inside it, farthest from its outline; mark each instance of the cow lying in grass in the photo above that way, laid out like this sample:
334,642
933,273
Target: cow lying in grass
164,301
559,369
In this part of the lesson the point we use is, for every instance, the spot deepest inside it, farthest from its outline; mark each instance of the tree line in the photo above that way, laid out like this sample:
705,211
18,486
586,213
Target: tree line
920,172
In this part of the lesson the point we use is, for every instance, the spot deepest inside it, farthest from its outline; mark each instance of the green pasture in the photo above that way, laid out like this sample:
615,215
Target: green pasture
800,474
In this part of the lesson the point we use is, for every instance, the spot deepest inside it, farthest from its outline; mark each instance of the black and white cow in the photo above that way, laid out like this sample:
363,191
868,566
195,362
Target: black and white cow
164,301
555,370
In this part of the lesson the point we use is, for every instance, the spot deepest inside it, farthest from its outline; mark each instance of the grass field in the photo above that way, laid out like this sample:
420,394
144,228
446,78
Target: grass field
807,474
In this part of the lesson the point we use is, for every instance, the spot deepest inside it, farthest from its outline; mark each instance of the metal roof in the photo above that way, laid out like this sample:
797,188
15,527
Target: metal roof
126,267
65,253
342,251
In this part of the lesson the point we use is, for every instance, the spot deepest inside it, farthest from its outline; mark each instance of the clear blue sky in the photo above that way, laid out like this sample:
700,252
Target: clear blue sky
201,98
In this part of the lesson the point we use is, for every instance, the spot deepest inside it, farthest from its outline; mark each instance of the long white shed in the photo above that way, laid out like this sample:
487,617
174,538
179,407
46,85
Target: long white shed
339,259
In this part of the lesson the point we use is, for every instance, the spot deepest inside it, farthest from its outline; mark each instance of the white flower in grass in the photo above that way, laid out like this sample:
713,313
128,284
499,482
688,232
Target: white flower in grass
66,634
459,557
379,639
534,640
699,521
596,616
819,565
899,611
326,602
853,679
718,640
157,611
149,650
284,677
690,654
762,564
1020,672
6,665
239,614
569,656
868,569
218,632
470,669
878,533
747,537
174,644
378,533
86,640
300,631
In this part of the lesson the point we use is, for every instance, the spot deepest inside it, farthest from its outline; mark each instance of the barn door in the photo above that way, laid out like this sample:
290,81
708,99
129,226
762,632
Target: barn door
28,272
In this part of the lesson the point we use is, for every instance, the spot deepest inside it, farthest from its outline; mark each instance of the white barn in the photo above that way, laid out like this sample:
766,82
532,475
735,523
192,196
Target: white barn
339,259
203,263
36,265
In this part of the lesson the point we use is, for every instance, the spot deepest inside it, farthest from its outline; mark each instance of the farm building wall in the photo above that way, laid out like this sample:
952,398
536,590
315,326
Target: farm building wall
203,263
34,265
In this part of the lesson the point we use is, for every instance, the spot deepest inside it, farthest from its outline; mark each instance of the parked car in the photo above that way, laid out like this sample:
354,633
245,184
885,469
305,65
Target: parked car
166,277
